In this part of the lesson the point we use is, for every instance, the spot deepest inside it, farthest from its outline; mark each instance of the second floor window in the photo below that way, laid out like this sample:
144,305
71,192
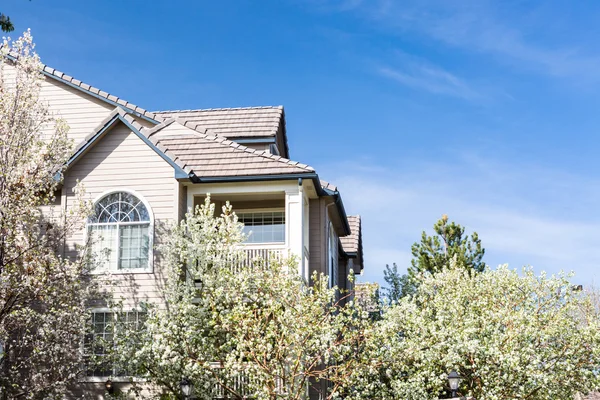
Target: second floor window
263,226
120,230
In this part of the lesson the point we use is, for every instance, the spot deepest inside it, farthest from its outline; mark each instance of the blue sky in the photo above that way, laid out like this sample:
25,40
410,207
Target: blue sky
486,111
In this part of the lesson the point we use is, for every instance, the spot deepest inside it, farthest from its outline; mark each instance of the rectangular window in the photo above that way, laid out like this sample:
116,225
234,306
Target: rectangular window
133,247
99,339
121,247
104,245
263,226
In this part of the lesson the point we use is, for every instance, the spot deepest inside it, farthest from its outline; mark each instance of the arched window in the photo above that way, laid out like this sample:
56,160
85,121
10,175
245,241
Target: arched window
121,233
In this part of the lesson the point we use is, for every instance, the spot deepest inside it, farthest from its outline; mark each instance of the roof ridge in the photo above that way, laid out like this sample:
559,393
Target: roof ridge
224,141
279,107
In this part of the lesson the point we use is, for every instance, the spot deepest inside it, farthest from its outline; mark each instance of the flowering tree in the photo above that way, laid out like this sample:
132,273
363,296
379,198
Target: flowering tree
509,335
252,329
41,293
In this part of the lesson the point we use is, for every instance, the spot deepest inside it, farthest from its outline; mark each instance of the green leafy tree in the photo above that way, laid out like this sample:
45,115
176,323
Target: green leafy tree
399,285
509,334
258,324
6,24
450,242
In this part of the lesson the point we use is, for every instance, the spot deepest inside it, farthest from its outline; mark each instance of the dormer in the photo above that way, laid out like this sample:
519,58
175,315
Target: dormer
260,128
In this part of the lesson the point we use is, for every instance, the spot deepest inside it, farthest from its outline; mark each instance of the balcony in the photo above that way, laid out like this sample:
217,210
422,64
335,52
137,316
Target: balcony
253,257
239,384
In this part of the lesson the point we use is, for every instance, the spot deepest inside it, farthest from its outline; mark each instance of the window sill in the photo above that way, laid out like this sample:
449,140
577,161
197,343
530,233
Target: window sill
274,245
122,271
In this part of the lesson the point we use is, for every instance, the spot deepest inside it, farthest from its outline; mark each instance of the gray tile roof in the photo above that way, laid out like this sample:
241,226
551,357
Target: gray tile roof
233,122
328,186
204,154
208,155
353,242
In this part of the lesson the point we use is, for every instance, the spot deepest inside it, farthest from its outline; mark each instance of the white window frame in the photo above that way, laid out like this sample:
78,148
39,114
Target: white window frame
264,244
101,379
150,266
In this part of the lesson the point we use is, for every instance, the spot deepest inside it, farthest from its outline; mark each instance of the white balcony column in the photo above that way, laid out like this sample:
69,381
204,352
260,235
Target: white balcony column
294,211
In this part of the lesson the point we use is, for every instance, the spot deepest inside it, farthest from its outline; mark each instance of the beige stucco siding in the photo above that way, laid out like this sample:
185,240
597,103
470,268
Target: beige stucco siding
320,231
121,160
318,236
81,111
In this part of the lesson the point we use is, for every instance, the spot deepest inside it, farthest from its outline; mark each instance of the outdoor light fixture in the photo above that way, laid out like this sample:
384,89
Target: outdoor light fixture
109,386
186,387
453,381
198,283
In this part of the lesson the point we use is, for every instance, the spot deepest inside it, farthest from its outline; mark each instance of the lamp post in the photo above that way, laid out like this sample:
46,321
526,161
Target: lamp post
108,385
453,381
186,387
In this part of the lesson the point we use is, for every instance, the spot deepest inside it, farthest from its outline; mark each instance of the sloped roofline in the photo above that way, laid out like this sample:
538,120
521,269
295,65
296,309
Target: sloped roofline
147,135
123,108
359,252
101,95
199,129
139,111
280,126
184,172
118,114
97,93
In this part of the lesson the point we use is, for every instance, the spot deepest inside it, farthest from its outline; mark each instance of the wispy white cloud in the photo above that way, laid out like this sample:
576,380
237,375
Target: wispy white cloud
418,74
478,26
525,215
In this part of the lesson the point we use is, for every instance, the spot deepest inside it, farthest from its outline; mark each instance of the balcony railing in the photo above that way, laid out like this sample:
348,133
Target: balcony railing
255,257
240,385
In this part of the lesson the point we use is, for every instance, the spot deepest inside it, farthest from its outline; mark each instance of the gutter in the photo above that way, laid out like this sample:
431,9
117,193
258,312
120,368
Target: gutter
266,178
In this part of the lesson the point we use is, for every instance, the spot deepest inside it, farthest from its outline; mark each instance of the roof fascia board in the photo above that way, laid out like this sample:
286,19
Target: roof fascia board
262,139
340,206
179,172
91,142
104,99
256,178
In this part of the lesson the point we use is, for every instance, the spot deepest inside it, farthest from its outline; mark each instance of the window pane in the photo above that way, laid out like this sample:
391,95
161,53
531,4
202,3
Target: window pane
134,246
100,337
119,207
263,226
103,245
95,344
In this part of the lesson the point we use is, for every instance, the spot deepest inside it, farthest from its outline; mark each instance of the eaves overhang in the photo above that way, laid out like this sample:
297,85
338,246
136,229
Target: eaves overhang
313,176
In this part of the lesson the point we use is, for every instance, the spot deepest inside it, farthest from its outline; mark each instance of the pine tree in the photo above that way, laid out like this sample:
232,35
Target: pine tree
434,253
399,285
